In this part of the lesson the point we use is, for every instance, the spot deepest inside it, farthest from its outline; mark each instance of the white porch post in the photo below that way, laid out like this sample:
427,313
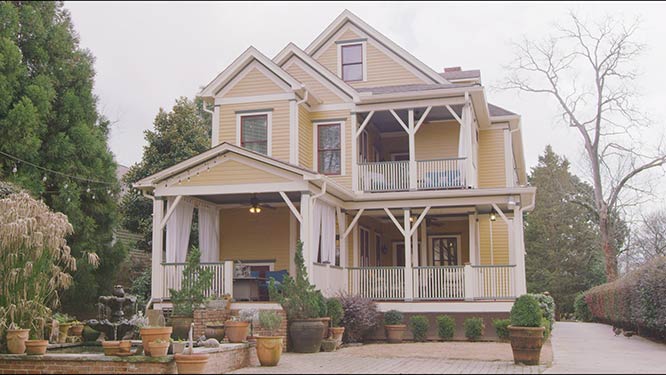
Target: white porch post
412,151
306,233
409,295
473,251
157,284
424,244
229,277
342,226
470,175
354,152
519,244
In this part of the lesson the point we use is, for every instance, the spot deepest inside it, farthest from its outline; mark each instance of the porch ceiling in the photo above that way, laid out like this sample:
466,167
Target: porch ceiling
244,199
385,122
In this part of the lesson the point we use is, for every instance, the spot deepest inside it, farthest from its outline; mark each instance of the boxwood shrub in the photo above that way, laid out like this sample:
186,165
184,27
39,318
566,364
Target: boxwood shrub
547,305
526,312
502,328
474,328
636,300
393,317
419,326
446,327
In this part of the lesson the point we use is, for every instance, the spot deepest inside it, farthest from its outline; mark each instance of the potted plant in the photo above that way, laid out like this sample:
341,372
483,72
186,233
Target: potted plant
77,329
215,330
178,346
16,338
236,329
64,324
191,363
151,333
196,281
525,331
250,316
328,345
159,348
269,348
395,328
323,314
111,348
299,301
336,313
36,345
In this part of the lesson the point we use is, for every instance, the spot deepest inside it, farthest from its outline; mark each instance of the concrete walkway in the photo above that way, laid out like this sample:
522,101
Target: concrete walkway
594,348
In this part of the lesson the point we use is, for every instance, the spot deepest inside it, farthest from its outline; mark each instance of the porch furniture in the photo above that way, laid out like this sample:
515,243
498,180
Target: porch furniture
247,288
278,276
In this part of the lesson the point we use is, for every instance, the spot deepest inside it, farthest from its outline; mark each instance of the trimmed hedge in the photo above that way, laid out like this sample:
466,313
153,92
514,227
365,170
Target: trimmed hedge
581,310
419,325
502,328
446,327
635,301
474,328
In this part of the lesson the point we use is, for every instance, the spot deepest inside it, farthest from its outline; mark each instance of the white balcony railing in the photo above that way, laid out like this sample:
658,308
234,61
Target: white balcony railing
439,283
441,173
430,174
495,282
173,278
384,176
378,283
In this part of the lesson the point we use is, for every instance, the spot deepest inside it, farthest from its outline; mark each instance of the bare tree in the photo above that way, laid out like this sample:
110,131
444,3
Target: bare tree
588,69
648,240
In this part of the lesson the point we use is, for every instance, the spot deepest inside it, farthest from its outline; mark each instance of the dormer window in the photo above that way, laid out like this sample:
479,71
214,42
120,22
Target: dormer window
352,62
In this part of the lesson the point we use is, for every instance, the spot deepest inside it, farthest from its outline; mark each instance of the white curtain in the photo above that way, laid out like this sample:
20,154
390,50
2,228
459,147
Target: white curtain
178,231
209,234
327,234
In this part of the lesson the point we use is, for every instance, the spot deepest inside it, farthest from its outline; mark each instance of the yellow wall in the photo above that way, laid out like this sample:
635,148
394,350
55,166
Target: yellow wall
254,83
322,93
263,236
500,241
437,140
305,138
491,158
232,172
280,124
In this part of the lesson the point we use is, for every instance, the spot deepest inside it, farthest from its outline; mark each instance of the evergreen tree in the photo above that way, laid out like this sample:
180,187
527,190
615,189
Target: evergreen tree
49,117
178,135
561,234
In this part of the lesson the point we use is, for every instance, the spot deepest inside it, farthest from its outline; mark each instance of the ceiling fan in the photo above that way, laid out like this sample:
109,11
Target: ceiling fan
256,206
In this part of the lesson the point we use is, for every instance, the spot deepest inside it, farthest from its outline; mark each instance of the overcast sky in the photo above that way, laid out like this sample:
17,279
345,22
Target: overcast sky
148,54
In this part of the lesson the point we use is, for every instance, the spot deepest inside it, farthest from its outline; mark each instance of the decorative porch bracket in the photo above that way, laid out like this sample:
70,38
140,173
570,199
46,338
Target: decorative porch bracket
170,211
291,207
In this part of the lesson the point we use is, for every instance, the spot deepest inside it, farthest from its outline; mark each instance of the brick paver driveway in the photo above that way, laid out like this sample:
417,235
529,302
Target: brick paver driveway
593,348
402,359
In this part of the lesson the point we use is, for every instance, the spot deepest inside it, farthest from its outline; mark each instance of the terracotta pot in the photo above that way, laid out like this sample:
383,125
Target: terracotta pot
36,347
181,327
63,329
76,330
159,348
149,334
215,332
395,332
328,345
191,363
269,350
327,323
306,335
125,346
111,348
526,344
16,339
236,332
336,334
178,347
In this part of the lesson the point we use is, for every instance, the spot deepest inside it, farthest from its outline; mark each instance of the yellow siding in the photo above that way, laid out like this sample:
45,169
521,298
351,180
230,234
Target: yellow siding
491,158
437,141
329,57
322,93
232,172
314,116
304,138
254,83
500,241
264,236
280,124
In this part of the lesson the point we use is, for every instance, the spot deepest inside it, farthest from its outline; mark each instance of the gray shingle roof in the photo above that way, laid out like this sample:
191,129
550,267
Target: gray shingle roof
410,88
499,111
461,74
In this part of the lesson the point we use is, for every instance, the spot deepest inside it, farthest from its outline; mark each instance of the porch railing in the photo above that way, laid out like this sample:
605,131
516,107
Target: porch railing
495,282
330,279
439,283
173,278
441,173
378,283
383,176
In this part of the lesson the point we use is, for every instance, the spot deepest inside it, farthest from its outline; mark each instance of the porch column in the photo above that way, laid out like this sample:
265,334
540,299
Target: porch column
412,151
409,295
342,226
306,233
473,251
354,153
157,287
424,244
519,244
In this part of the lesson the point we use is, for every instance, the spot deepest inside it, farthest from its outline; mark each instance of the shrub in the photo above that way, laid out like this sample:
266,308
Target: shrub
393,317
636,300
270,320
547,305
545,324
335,311
581,310
526,312
474,328
419,326
360,317
446,327
502,328
196,280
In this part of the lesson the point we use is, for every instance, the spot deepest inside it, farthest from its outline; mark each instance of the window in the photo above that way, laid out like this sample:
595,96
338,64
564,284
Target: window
445,251
329,149
352,62
365,247
254,133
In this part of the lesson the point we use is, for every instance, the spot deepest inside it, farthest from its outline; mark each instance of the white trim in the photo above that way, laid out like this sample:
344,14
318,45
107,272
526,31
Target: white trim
344,96
231,189
331,107
364,58
508,159
256,98
215,130
247,70
291,206
293,132
269,128
446,307
458,246
271,265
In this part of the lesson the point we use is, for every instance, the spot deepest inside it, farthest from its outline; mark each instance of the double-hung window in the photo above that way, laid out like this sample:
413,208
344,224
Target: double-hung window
352,62
329,149
254,132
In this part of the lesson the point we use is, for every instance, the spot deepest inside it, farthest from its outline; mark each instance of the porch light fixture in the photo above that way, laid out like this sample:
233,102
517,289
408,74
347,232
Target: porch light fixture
255,209
493,215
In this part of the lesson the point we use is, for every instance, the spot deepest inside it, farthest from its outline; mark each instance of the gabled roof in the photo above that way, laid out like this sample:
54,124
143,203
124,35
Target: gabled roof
348,17
410,88
461,74
497,111
292,50
247,57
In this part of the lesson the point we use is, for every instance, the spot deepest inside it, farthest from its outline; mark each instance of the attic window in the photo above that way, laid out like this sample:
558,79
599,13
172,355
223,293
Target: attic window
352,62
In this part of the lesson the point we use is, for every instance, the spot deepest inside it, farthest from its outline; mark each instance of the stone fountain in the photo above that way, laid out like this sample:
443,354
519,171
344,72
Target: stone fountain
111,320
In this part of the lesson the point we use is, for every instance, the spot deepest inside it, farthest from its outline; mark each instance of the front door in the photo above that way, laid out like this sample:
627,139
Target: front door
445,251
400,254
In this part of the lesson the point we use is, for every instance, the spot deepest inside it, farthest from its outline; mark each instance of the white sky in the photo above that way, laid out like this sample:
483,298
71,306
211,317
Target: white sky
148,54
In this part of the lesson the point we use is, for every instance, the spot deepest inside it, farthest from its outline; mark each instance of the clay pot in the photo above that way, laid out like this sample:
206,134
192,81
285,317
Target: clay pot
327,323
16,339
395,332
236,332
125,346
306,335
526,344
215,331
191,363
178,347
328,345
159,348
36,347
269,350
149,334
63,329
111,348
181,327
76,330
336,334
